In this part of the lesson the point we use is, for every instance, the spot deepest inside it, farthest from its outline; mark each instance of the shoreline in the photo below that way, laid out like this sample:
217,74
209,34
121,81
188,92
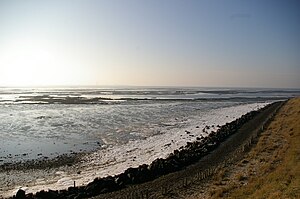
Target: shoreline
43,162
132,170
268,169
173,184
113,161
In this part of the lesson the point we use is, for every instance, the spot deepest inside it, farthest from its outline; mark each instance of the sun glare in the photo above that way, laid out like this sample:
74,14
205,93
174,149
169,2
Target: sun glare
33,63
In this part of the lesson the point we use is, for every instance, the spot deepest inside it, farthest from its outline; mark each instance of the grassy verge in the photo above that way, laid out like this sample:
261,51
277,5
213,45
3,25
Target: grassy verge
272,167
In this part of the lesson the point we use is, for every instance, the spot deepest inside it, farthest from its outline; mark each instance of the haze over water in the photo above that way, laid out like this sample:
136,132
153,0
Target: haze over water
178,70
150,43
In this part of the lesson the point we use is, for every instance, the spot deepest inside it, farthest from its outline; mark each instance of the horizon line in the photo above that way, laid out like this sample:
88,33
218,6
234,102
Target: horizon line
143,86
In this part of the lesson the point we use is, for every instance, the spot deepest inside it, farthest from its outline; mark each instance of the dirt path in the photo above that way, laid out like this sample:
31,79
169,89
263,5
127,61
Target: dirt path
195,181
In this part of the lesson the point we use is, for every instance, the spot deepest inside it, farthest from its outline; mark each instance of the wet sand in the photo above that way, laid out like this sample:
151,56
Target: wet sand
34,176
191,180
267,168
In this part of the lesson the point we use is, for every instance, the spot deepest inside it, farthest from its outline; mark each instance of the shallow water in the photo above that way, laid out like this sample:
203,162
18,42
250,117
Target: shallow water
120,128
115,159
37,123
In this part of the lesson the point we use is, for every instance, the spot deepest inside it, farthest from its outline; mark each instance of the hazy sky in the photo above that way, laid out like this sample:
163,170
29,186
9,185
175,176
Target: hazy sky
150,43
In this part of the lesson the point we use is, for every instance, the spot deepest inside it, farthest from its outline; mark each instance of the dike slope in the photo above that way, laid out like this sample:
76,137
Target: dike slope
271,169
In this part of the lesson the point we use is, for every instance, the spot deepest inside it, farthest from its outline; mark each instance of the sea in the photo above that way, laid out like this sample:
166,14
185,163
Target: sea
112,128
47,122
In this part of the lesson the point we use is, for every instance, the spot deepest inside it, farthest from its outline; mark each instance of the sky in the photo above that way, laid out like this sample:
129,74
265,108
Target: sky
203,43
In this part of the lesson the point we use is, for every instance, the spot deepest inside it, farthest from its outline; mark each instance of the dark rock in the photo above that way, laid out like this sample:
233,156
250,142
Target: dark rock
103,185
43,194
121,180
73,189
109,185
132,174
80,196
92,188
143,174
20,194
29,196
72,196
51,194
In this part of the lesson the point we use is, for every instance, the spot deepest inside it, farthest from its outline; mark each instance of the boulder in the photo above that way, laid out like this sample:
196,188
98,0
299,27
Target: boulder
20,194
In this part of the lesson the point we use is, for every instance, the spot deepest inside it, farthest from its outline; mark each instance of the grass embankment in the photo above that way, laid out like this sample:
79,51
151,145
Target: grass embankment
271,169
